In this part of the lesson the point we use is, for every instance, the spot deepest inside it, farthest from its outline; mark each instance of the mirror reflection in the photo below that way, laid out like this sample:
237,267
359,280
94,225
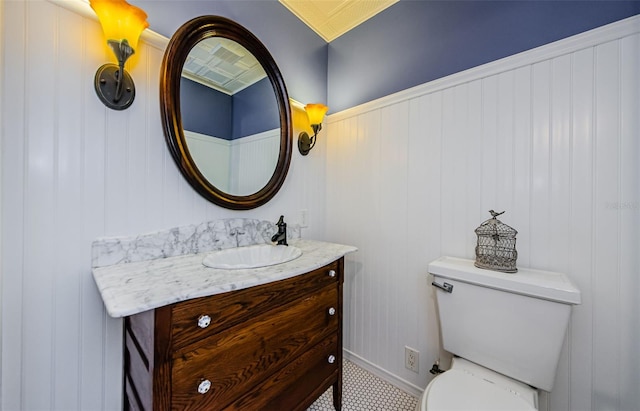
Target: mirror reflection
223,101
230,116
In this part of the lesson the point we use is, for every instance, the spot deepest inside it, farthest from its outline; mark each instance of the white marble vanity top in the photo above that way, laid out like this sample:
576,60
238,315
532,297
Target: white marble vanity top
135,287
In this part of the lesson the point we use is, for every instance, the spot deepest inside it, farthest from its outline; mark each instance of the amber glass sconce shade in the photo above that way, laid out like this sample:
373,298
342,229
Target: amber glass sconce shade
122,24
315,113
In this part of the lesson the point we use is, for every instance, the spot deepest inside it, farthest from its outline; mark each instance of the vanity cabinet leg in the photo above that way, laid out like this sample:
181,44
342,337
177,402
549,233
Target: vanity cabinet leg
337,386
337,394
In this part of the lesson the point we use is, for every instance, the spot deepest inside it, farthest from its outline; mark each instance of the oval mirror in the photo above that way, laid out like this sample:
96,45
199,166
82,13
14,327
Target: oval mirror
225,113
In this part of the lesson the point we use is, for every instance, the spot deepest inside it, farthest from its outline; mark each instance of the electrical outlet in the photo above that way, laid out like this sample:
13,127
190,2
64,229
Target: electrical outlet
411,359
304,219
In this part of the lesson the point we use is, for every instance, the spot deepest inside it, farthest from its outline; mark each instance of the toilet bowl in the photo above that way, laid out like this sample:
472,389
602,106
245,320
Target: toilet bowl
467,386
505,332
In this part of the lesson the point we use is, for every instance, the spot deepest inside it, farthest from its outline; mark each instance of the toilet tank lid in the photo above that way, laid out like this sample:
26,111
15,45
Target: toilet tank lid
535,283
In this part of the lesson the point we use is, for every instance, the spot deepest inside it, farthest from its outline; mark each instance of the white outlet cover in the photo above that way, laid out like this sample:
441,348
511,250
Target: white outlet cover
411,359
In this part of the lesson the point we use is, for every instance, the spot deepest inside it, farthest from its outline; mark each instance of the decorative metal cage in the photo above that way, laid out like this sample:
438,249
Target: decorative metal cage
496,249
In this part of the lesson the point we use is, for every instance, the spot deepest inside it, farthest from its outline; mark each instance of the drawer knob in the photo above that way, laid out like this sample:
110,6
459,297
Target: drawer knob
204,321
332,311
332,273
331,359
204,386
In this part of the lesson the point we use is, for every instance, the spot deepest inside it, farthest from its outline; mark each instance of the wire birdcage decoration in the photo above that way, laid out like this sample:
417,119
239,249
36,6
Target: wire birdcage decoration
496,249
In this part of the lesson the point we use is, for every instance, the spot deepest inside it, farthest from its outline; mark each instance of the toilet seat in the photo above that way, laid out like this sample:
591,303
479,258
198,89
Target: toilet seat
471,387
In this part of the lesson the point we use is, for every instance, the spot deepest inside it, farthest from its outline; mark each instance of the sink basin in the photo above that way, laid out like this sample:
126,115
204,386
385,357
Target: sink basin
253,256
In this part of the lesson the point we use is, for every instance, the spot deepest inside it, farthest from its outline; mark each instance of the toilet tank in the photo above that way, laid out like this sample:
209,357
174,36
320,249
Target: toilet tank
514,324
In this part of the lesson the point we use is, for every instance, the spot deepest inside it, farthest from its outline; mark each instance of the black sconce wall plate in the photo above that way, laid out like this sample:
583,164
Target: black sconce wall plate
106,85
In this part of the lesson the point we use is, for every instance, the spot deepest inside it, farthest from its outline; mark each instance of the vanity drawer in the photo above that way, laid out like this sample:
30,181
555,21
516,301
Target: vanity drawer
219,312
245,355
298,385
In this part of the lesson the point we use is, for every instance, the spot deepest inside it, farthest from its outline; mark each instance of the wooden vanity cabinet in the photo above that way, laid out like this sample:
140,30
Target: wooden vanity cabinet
276,346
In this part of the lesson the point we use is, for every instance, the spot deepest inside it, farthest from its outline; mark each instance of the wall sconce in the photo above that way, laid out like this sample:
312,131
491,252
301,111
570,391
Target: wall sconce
316,113
122,24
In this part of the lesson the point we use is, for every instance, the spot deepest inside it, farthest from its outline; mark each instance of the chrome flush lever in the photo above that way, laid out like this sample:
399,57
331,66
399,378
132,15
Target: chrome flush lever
444,286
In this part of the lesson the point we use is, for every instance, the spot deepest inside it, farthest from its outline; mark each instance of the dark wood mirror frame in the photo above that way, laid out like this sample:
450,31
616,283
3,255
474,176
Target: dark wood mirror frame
175,56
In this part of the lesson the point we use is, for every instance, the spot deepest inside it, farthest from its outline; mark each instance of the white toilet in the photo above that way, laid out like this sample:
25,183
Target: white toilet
505,332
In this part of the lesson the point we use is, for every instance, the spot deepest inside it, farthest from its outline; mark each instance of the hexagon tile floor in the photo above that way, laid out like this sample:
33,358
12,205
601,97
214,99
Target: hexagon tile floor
363,391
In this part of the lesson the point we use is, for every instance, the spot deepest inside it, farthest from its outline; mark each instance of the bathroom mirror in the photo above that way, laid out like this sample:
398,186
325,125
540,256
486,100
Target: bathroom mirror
225,113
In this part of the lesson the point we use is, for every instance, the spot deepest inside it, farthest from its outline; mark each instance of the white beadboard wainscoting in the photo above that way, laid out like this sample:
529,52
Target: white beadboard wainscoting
552,137
74,170
236,166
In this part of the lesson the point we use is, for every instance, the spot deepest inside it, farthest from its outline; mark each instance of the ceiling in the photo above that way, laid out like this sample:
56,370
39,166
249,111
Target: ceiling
332,18
223,65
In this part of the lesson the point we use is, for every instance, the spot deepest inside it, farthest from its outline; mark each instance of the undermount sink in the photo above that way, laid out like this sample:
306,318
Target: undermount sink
253,256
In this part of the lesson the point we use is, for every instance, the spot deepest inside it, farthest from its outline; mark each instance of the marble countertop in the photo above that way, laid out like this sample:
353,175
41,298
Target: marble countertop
132,288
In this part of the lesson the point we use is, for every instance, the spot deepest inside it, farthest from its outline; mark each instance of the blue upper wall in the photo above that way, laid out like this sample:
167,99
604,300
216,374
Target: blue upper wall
409,43
196,103
207,111
255,110
414,42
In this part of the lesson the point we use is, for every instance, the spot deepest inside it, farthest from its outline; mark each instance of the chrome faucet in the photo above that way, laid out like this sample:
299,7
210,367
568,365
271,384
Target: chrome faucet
281,235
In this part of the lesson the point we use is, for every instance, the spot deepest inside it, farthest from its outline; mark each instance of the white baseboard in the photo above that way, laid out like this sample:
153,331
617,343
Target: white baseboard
383,374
